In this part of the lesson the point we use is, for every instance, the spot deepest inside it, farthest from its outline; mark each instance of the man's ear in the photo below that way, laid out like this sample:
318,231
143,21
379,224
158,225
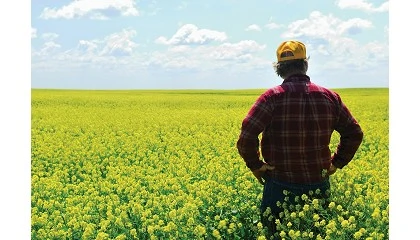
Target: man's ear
305,62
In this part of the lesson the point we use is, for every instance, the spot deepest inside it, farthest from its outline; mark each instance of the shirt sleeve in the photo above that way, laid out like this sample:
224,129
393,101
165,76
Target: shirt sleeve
258,117
351,136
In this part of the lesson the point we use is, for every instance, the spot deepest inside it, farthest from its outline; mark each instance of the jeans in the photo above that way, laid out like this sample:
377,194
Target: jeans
273,193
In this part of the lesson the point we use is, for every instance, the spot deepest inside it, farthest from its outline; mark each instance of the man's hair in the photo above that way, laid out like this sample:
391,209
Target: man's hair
291,66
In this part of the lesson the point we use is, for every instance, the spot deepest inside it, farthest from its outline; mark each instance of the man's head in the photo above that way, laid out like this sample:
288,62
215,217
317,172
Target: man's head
291,59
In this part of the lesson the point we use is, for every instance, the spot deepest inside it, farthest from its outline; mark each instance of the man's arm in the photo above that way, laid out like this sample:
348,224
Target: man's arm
351,136
254,123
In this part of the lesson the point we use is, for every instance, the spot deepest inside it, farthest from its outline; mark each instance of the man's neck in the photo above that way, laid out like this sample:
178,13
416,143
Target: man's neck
294,73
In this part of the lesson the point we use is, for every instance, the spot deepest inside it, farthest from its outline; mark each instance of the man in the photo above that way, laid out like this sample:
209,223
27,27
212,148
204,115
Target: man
296,119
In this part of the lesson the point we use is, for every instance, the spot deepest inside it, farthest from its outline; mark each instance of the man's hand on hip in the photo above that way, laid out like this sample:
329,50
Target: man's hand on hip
332,169
260,172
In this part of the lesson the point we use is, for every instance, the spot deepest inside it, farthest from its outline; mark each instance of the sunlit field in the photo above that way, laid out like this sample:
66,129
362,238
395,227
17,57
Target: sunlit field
163,165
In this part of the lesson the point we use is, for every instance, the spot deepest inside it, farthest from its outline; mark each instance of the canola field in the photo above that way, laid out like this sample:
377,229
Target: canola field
145,164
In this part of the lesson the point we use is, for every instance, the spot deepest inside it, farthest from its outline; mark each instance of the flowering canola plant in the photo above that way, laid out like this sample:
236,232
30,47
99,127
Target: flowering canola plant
163,165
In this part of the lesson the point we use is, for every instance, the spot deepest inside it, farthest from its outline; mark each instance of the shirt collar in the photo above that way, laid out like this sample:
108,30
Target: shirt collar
297,78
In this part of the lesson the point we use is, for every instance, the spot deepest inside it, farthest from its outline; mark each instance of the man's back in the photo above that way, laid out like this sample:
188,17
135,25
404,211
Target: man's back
297,119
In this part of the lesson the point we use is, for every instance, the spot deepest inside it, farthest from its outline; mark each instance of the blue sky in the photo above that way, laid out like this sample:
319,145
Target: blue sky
229,44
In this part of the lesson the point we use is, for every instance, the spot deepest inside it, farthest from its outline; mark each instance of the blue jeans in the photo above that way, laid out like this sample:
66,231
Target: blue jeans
273,193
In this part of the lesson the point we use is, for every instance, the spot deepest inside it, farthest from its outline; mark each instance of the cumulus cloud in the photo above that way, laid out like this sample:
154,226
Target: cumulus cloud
362,5
120,43
325,26
353,26
225,55
116,44
253,27
236,51
328,36
88,46
190,34
94,9
114,51
49,48
49,36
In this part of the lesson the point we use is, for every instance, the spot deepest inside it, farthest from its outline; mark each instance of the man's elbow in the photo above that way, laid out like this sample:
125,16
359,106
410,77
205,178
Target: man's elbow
358,136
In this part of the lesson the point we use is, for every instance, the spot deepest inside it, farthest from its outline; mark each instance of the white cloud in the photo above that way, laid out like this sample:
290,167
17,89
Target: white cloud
210,57
49,36
119,43
324,26
353,26
186,49
273,25
33,33
327,35
114,51
362,5
253,27
49,48
235,51
190,34
95,9
88,46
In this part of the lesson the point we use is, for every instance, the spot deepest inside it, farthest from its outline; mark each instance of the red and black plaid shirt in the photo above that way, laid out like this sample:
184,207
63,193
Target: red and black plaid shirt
296,120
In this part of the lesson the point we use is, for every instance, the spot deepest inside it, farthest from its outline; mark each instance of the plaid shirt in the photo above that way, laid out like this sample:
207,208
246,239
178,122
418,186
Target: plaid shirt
296,120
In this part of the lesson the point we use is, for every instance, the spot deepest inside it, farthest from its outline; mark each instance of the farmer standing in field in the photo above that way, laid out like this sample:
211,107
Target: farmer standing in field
296,119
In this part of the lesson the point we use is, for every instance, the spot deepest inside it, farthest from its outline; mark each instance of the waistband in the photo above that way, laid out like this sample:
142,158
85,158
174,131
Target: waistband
322,184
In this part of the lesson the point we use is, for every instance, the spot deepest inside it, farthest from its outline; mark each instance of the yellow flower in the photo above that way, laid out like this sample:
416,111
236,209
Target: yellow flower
216,234
150,229
357,235
311,235
102,236
345,223
331,225
283,234
222,224
172,213
291,233
315,202
133,233
200,230
301,214
121,237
